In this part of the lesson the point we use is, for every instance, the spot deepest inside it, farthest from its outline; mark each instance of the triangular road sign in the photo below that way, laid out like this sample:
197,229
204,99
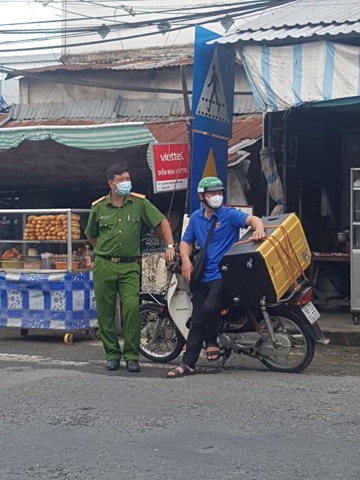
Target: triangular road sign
212,102
210,167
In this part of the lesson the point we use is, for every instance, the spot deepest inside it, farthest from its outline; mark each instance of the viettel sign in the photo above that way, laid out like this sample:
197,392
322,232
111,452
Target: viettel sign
170,166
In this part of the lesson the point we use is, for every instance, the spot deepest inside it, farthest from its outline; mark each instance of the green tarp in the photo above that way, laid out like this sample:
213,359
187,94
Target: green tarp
88,137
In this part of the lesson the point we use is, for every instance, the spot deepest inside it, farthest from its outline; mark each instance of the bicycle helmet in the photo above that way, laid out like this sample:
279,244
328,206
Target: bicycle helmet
209,184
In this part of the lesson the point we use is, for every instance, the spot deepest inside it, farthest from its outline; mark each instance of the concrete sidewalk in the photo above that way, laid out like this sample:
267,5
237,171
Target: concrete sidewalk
340,328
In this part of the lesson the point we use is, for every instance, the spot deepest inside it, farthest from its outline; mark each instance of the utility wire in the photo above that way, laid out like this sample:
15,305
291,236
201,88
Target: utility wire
245,8
214,17
126,15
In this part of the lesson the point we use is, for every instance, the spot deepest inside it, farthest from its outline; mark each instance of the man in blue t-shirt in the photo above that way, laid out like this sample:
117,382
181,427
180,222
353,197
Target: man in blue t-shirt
208,295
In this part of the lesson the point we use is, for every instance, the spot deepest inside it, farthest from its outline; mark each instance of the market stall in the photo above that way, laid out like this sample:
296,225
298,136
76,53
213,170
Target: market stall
47,170
46,278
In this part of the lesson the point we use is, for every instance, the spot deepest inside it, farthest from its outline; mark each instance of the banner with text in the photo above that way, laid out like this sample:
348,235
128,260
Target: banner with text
170,166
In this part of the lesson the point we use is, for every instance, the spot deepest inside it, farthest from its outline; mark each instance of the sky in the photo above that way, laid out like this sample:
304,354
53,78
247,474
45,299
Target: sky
22,11
115,12
94,26
17,11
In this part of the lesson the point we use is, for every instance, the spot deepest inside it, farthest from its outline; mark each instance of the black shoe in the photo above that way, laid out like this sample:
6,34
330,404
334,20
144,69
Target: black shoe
132,366
112,365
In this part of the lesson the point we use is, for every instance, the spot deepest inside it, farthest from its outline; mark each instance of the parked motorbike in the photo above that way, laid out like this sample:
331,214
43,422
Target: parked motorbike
281,335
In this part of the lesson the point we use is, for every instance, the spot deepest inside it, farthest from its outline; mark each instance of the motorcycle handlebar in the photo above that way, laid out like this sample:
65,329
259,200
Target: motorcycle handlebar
174,265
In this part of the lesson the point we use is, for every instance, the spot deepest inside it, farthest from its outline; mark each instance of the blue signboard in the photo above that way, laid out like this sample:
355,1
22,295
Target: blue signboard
209,159
213,85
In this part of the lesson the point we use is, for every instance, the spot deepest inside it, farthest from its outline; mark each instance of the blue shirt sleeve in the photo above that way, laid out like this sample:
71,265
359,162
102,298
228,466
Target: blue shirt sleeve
189,235
237,218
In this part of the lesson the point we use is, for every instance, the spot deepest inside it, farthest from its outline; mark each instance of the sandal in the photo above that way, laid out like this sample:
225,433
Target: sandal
212,355
175,372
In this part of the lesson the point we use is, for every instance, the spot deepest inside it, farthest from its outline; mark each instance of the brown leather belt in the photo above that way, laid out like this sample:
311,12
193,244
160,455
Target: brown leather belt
123,259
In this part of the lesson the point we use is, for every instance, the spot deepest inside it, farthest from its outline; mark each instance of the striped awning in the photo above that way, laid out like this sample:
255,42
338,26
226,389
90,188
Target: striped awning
293,75
88,137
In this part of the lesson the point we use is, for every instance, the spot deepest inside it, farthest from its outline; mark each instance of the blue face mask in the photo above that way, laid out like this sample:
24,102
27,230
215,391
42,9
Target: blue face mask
123,188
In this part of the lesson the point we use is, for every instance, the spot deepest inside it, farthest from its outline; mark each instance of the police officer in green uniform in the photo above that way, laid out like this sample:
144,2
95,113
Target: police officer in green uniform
114,230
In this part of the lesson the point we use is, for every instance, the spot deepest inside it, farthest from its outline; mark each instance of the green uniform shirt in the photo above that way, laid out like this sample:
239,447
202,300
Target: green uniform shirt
118,229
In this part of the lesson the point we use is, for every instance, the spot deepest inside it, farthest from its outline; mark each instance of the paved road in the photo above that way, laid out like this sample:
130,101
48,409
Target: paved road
63,417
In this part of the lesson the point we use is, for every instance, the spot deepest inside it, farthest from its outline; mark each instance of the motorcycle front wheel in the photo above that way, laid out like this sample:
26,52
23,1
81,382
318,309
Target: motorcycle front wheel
303,345
160,339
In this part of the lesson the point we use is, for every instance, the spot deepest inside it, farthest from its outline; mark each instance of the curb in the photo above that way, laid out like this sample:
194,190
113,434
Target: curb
347,339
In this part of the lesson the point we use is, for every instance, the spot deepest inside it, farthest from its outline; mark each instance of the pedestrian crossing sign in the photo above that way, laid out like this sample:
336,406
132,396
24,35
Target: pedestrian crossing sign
213,85
212,102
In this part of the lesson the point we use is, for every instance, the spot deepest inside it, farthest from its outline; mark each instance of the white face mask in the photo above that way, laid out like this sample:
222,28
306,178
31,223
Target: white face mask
123,188
215,202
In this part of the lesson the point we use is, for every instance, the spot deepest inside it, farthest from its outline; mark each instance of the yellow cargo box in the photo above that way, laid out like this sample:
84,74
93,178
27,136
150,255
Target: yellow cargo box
271,268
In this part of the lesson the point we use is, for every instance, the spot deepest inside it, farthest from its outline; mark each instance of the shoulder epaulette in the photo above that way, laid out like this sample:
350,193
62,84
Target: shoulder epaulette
138,195
97,201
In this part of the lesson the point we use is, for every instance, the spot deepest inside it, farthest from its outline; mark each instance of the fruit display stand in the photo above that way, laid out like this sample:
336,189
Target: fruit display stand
44,298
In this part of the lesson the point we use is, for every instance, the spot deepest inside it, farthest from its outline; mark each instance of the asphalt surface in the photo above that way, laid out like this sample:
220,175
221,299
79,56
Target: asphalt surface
64,417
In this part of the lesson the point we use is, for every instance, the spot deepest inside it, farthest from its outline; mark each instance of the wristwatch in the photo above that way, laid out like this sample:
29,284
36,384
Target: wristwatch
171,245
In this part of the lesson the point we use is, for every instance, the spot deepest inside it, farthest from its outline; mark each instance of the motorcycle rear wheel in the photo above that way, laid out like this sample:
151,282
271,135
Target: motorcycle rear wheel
303,345
169,342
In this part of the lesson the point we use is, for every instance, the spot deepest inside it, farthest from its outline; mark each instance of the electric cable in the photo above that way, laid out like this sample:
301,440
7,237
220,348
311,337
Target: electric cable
248,7
147,23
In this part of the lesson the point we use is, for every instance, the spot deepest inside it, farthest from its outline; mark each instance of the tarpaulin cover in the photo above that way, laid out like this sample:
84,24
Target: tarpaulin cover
273,180
88,137
288,76
62,300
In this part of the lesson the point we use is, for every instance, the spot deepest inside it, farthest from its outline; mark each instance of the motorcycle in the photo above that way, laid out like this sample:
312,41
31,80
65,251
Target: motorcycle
280,335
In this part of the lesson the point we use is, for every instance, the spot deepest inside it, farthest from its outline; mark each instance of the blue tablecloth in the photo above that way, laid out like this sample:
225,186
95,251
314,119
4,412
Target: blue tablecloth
62,300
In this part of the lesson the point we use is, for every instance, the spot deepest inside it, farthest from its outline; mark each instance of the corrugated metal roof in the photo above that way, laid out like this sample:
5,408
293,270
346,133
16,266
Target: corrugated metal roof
133,64
175,132
99,109
300,20
165,131
3,118
54,122
150,108
123,65
155,63
52,110
115,109
245,105
246,127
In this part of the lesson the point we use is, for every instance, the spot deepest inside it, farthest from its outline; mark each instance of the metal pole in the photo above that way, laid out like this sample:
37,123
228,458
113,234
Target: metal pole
267,143
189,130
285,135
301,177
69,239
64,26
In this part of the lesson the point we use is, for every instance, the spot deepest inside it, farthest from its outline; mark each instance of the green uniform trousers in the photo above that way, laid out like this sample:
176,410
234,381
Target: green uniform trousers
109,279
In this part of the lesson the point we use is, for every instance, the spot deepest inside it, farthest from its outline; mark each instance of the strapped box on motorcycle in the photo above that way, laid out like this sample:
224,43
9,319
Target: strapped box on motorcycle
252,271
